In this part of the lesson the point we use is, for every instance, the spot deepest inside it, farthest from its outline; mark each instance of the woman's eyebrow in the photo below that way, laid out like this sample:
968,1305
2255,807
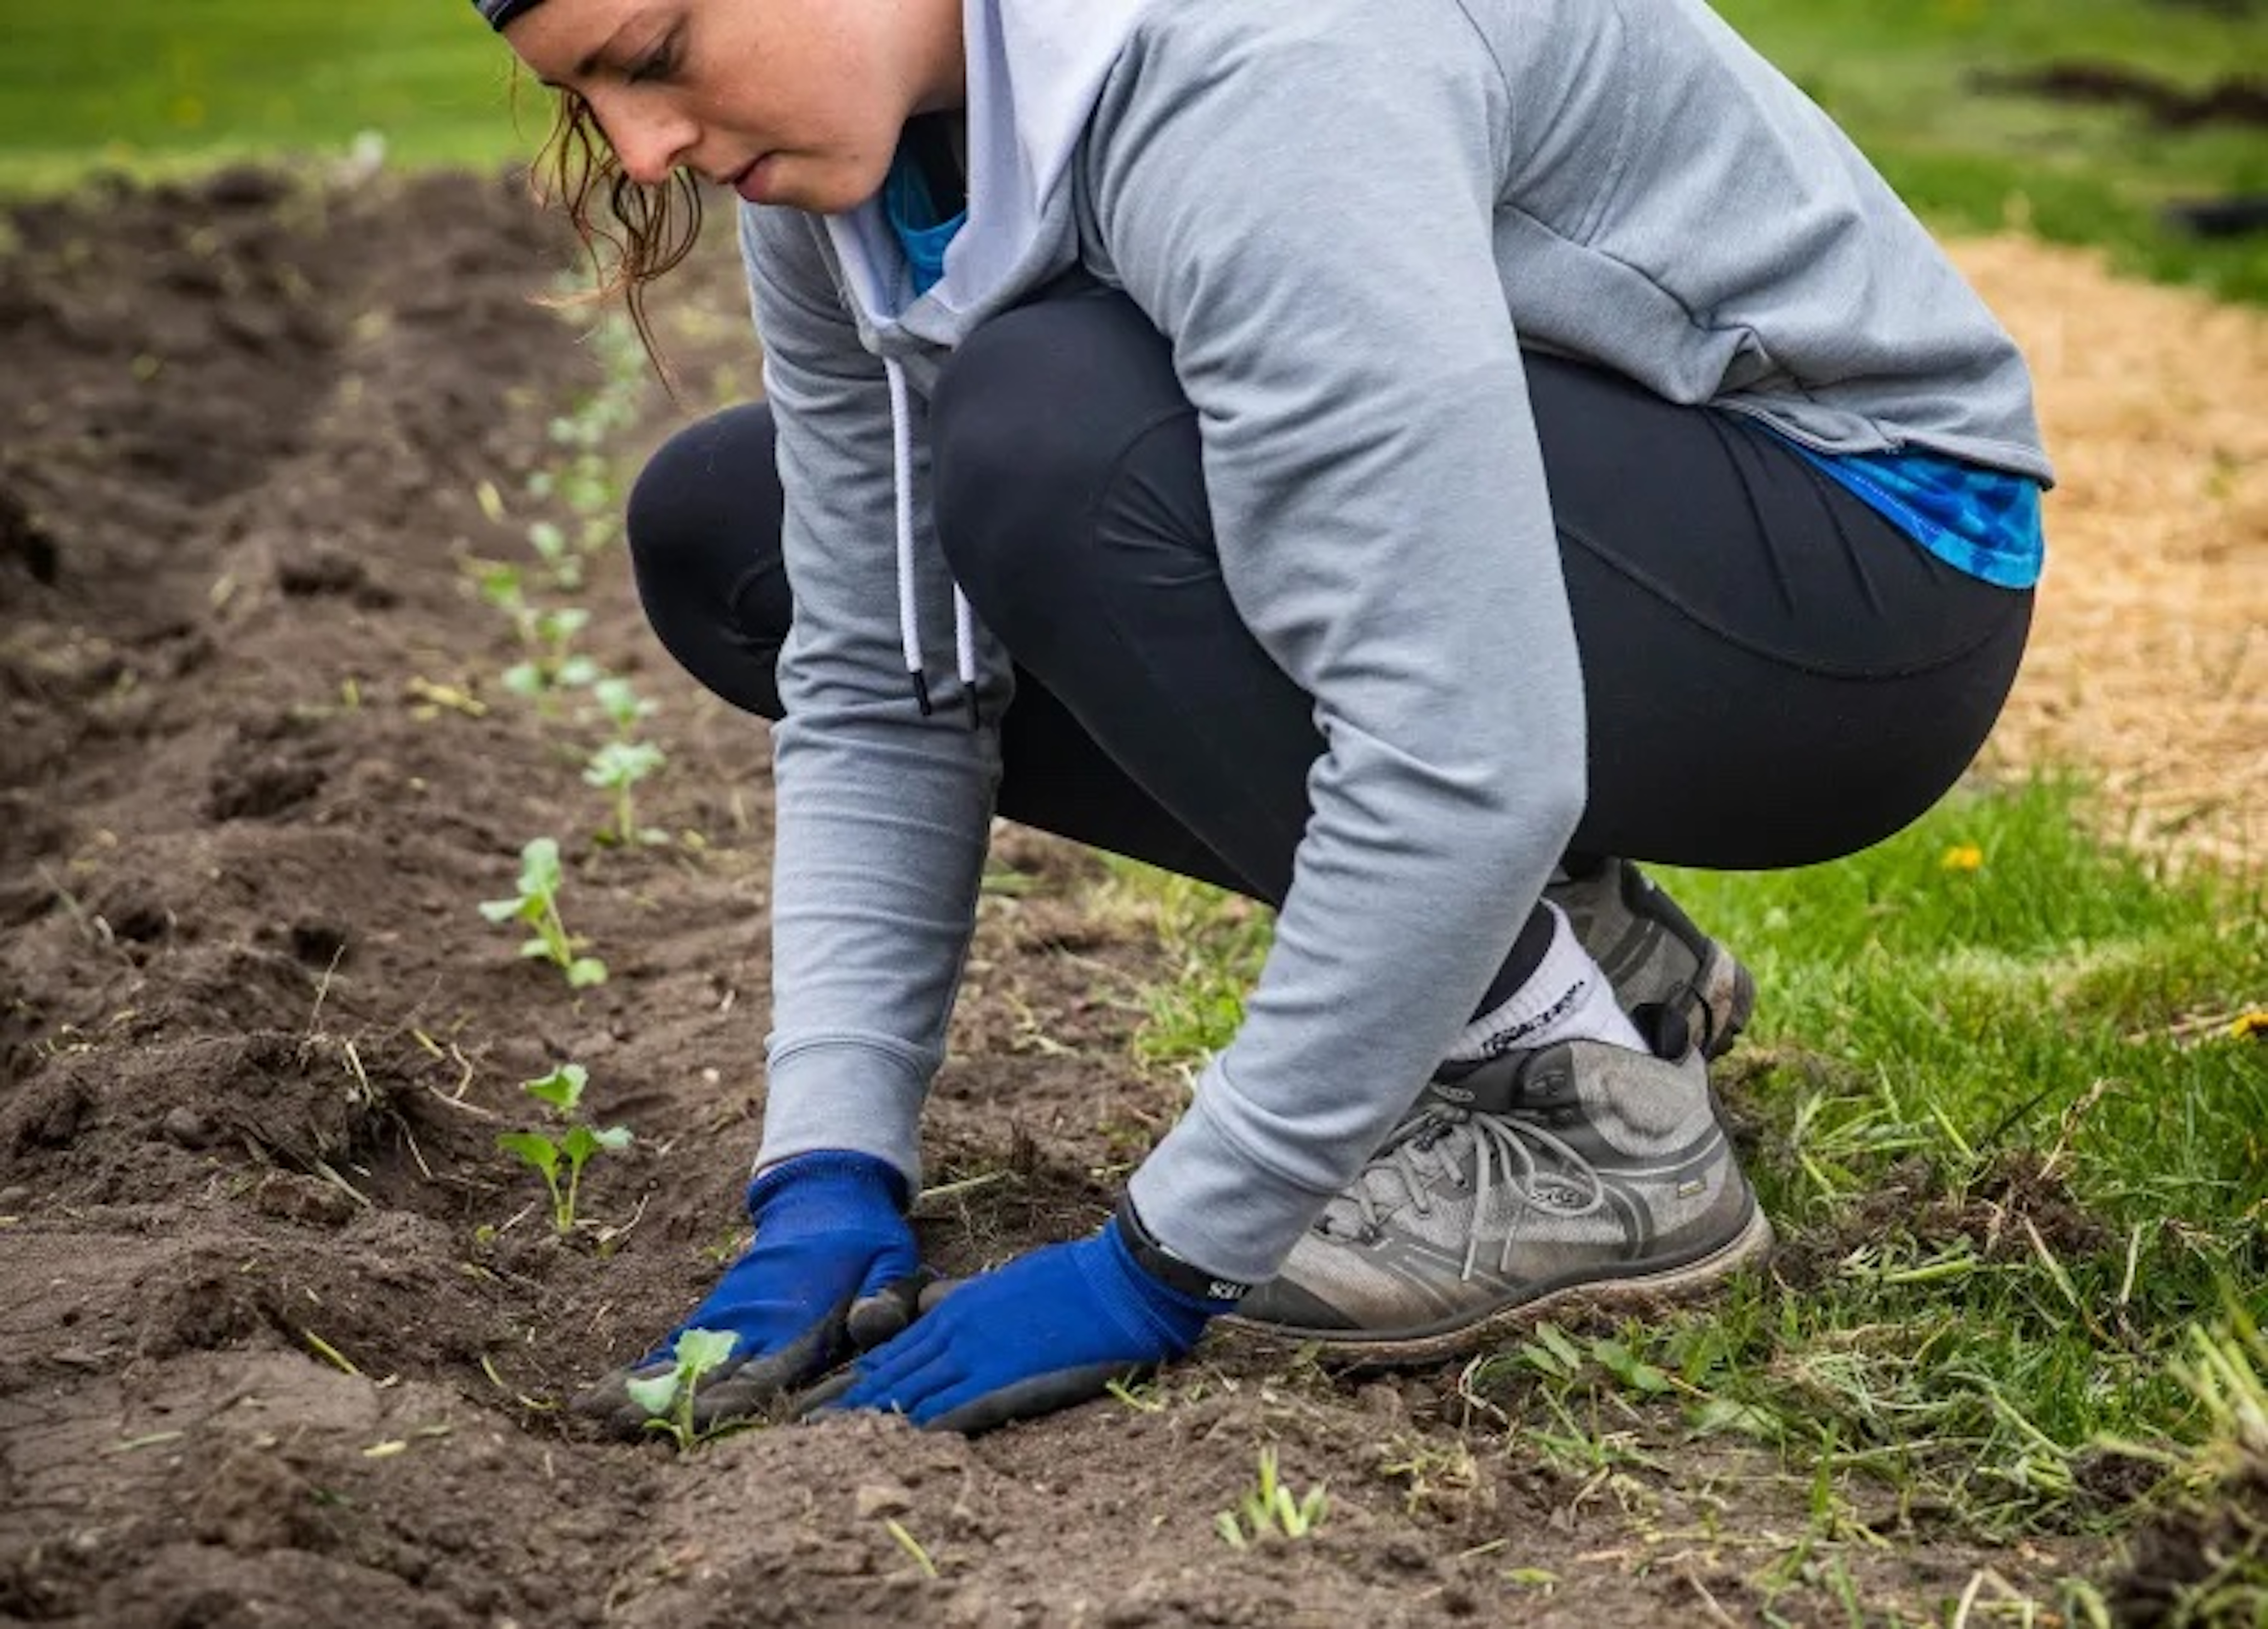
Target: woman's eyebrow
591,63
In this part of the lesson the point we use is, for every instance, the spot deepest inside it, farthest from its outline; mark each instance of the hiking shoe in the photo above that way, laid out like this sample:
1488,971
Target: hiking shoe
1585,1171
1653,955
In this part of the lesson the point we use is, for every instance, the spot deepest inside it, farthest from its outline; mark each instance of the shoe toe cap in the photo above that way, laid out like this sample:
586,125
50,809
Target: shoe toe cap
1283,1303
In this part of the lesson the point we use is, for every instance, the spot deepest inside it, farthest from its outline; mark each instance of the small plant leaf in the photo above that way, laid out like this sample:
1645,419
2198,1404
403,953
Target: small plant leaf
533,1148
578,1145
654,1395
614,1137
500,910
586,971
1555,1342
562,1088
1626,1366
539,868
698,1351
523,678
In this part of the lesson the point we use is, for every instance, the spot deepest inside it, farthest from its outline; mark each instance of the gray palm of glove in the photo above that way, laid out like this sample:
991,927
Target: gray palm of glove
832,1271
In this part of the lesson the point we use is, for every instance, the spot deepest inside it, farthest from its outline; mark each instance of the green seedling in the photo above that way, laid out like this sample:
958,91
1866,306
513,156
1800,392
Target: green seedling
616,768
558,555
1271,1508
625,710
667,1399
561,1091
537,904
502,586
553,665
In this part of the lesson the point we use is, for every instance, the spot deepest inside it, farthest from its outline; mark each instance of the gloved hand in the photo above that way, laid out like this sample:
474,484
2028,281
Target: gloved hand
833,1268
1051,1328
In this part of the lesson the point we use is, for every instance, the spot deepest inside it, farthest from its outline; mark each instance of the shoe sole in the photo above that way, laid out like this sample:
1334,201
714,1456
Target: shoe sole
1753,1243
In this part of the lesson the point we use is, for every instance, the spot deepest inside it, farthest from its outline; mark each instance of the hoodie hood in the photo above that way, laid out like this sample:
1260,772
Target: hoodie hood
1035,67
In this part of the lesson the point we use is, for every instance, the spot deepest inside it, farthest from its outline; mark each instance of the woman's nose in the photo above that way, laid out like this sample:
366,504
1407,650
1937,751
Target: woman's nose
649,140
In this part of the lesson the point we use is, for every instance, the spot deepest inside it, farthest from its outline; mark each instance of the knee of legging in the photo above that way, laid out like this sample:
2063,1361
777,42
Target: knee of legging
708,495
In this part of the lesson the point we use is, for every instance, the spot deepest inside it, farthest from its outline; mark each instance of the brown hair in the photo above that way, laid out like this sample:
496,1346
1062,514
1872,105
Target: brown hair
652,228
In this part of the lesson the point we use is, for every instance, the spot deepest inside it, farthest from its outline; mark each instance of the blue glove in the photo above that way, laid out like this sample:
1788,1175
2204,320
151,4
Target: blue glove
1050,1328
833,1266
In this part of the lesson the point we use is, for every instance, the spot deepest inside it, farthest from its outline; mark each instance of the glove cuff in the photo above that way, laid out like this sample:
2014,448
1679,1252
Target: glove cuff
839,1179
1183,1277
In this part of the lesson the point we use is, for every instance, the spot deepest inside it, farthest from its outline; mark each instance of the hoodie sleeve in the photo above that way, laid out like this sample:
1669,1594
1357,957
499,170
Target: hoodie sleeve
882,815
1299,193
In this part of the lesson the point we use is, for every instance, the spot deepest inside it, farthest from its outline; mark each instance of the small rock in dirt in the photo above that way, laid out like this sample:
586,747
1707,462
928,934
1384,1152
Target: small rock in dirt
185,1126
14,1198
303,1199
875,1498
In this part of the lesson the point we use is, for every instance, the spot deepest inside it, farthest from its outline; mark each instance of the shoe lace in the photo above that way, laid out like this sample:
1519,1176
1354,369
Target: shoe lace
1504,1149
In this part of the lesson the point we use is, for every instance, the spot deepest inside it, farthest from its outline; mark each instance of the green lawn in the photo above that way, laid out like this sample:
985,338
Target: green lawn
1903,79
159,85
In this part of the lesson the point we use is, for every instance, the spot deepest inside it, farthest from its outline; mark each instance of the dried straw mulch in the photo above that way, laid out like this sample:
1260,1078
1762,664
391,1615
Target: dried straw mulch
2149,660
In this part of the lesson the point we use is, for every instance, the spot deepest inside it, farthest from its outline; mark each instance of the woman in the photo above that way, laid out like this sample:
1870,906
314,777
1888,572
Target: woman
1402,458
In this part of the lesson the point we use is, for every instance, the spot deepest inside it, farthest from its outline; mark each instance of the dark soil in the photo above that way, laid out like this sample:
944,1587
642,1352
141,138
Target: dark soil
282,1337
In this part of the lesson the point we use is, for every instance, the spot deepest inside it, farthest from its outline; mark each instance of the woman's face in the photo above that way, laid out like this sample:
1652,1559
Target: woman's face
796,102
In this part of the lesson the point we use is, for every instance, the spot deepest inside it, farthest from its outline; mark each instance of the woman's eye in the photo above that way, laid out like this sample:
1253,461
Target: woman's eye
657,63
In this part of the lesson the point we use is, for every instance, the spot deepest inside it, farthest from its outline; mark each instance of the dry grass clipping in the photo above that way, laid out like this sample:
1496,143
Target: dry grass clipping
2148,665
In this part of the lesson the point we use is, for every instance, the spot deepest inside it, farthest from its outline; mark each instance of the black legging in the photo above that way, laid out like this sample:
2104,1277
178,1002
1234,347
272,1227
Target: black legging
1774,674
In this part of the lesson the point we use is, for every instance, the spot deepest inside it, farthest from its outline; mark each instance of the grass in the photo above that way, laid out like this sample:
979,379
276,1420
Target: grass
2017,1143
1906,82
156,87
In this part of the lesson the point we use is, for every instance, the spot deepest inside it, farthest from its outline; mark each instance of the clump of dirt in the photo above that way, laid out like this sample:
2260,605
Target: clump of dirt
2018,1205
2202,1565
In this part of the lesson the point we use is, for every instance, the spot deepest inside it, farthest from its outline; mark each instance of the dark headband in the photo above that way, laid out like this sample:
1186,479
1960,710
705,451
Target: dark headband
500,12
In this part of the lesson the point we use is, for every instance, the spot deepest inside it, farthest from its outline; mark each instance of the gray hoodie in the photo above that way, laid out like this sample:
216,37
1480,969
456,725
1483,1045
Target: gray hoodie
1348,217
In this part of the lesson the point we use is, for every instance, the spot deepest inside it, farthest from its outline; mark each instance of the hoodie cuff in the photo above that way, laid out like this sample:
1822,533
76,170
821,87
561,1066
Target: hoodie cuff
1210,1203
858,1100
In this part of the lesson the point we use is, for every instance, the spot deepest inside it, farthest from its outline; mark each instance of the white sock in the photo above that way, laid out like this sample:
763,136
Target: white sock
1567,998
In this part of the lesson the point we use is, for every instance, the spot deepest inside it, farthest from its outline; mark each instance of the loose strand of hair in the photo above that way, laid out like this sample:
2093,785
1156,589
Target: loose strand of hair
651,230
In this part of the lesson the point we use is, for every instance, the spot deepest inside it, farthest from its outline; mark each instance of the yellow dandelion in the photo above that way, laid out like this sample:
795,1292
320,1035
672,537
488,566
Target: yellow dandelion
1963,857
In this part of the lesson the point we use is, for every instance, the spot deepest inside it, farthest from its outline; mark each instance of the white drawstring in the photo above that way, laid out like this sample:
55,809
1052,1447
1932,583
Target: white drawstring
964,619
848,251
902,458
964,649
